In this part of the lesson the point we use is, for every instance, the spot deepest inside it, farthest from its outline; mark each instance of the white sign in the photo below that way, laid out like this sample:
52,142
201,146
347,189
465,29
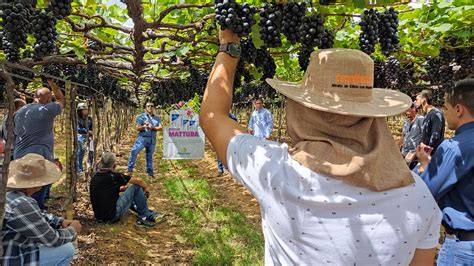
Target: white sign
183,139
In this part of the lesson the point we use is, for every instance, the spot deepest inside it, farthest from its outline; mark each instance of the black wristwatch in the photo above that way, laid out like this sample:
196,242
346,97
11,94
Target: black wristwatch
233,49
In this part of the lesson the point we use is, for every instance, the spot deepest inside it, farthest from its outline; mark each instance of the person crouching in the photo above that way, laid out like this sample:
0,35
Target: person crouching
29,236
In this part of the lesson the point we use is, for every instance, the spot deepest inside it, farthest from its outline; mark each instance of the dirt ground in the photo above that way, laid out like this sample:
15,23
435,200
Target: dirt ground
124,243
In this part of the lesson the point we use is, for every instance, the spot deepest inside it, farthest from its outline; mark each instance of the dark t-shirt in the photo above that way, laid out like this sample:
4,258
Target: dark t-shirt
34,129
104,193
433,129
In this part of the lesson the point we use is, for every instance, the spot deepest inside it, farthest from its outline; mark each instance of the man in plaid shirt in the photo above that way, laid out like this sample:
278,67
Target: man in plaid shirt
29,236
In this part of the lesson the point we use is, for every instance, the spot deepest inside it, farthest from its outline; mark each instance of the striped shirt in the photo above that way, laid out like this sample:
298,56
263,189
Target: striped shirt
25,228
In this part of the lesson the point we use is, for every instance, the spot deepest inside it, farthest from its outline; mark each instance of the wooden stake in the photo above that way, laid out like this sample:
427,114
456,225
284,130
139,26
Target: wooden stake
67,134
280,118
74,141
10,87
95,133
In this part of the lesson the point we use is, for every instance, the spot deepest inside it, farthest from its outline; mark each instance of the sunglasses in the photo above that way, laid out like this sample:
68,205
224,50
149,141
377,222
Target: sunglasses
150,106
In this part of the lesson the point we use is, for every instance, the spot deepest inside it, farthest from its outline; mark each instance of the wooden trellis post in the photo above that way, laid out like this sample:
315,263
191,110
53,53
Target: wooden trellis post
74,140
101,125
105,133
280,118
67,134
115,124
10,87
104,119
108,124
118,124
70,119
122,121
95,132
61,122
125,121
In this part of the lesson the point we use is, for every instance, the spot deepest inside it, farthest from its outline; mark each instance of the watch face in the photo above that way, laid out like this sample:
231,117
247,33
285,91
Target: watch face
234,49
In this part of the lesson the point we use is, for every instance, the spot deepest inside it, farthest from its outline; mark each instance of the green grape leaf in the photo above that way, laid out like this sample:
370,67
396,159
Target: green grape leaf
443,27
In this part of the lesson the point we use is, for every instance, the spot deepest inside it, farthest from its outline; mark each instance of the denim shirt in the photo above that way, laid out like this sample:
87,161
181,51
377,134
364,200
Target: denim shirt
450,178
261,122
154,121
82,127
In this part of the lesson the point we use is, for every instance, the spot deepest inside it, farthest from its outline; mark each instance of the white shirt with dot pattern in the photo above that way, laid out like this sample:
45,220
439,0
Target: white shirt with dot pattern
312,219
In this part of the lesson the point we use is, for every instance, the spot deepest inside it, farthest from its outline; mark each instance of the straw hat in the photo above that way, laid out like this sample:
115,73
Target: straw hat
341,81
32,170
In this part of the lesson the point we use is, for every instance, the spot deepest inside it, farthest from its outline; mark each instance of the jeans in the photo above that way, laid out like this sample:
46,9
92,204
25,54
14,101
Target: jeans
133,196
220,166
143,142
81,143
61,255
455,253
41,196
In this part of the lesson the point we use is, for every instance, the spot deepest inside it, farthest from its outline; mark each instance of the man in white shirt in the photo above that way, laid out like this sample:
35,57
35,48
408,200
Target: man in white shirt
343,195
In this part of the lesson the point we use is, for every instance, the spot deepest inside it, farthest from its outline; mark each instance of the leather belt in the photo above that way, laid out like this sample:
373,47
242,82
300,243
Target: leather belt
460,234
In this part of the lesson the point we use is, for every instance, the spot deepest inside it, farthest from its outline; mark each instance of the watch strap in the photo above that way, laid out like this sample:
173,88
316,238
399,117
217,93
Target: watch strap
225,47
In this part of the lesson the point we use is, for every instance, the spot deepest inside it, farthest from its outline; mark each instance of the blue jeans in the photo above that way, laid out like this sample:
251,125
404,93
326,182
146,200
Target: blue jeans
143,142
455,252
81,143
61,255
133,196
41,195
220,166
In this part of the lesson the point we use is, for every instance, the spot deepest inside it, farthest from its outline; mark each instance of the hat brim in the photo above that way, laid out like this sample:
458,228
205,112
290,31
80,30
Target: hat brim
52,175
384,102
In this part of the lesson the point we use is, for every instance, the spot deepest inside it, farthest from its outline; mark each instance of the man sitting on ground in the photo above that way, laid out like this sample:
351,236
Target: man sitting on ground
109,205
29,236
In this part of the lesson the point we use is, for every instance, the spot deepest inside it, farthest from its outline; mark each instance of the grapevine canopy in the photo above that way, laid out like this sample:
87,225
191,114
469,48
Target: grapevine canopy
142,42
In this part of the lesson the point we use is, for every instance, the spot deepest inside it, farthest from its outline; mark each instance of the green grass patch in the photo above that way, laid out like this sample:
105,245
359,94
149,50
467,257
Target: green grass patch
232,241
220,235
199,189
